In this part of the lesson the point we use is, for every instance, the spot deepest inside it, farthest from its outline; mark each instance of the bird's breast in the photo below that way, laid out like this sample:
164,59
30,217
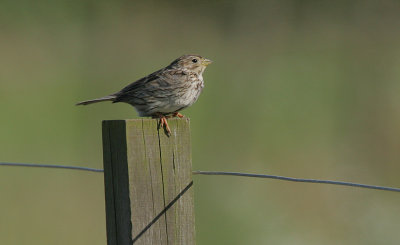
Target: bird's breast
190,93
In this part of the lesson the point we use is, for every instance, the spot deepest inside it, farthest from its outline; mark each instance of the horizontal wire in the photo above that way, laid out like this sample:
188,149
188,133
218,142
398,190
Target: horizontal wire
265,176
35,165
331,182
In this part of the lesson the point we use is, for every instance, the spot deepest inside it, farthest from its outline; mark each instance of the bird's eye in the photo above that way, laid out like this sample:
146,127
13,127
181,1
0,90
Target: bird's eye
194,60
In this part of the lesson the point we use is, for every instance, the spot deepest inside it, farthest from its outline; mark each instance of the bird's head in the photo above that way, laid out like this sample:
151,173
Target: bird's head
192,63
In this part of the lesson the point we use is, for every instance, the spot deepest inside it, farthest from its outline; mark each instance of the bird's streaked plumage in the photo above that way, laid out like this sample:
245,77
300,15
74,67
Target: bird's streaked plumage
164,92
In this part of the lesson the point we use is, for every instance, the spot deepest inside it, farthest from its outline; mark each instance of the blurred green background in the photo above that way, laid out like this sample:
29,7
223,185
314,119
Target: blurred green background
297,88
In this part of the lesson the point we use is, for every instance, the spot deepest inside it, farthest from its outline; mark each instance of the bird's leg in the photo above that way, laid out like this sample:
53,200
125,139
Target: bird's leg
164,123
177,114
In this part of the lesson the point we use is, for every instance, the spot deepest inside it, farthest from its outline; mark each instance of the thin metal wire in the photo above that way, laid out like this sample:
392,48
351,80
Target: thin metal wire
265,176
49,166
331,182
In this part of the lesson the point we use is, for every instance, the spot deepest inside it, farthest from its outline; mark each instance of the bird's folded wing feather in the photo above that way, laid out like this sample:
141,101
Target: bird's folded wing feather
149,86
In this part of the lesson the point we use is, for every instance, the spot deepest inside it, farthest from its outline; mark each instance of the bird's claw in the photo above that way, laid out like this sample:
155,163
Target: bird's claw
164,124
177,114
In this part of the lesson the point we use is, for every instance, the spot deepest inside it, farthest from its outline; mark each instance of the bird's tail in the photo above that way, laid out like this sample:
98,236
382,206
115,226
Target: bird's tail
105,98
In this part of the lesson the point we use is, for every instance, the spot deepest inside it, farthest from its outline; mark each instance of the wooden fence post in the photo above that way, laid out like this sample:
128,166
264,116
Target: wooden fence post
144,171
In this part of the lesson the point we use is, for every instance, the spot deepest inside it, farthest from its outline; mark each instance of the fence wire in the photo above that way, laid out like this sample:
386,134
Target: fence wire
35,165
237,174
330,182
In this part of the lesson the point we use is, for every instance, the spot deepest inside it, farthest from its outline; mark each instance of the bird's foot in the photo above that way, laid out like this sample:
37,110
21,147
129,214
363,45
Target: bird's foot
177,114
163,121
164,124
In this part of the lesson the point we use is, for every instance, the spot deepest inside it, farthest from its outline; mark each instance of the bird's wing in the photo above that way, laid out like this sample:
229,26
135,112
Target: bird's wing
149,87
139,83
136,88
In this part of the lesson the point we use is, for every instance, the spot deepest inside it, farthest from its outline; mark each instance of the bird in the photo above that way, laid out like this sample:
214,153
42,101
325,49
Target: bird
165,92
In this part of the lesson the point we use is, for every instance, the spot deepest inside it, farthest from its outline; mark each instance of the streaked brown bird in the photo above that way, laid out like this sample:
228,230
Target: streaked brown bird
164,93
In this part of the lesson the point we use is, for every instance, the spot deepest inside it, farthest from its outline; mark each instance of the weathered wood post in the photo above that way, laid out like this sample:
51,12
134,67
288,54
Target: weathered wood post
145,172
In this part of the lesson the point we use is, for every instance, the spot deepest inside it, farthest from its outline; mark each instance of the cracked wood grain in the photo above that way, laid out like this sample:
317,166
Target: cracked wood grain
144,171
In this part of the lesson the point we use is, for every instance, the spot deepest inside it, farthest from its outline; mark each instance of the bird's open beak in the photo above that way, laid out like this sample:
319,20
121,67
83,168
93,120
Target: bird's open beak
206,62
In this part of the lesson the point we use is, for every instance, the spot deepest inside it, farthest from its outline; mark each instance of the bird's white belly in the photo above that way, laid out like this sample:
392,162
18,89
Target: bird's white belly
184,100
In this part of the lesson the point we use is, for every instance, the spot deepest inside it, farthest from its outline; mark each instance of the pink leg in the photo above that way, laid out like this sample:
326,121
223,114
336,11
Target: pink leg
177,114
164,123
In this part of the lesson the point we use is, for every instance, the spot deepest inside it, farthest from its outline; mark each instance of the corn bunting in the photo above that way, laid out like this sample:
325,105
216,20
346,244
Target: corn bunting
164,93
